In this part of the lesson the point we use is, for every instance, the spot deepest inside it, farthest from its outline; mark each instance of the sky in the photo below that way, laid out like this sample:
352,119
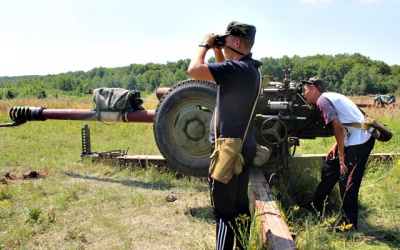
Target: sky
41,37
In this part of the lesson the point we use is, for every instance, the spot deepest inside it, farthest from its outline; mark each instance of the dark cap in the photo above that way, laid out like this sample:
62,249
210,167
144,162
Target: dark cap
316,82
242,30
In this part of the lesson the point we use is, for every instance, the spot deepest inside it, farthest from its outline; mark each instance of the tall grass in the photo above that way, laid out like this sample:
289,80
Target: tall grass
378,212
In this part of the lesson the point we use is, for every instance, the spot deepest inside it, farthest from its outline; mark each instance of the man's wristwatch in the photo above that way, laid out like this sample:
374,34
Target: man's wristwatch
204,45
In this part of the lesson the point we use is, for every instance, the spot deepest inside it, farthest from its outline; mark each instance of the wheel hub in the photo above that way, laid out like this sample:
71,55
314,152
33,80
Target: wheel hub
191,130
195,129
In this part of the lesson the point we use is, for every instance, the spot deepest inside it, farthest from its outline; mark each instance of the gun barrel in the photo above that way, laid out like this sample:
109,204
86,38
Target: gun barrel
105,116
69,114
20,115
160,92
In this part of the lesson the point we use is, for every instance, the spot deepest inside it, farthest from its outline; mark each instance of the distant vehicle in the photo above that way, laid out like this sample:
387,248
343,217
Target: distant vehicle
382,100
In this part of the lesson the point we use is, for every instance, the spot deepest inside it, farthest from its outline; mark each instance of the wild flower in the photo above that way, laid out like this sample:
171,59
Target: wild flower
345,227
5,204
283,215
328,222
242,233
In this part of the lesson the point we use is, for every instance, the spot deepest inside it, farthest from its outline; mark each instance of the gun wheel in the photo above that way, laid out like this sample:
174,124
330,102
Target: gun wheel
182,126
274,131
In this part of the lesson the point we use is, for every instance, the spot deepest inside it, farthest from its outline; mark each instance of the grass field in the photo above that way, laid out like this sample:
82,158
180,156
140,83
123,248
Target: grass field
80,204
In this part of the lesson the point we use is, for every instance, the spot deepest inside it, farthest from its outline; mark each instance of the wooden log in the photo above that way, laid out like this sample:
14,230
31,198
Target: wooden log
143,160
316,160
275,232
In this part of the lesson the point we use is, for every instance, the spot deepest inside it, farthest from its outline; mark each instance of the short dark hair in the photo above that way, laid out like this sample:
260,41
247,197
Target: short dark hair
248,44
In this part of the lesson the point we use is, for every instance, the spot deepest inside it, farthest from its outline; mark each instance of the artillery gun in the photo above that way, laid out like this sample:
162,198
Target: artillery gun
181,122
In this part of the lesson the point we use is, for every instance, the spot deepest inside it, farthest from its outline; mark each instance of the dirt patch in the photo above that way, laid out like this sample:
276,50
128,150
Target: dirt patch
13,176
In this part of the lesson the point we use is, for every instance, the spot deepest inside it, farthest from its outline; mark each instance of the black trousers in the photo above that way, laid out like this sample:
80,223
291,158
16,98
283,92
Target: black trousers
355,159
229,201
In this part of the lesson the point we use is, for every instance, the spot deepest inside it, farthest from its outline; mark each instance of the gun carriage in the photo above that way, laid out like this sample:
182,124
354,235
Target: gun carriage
181,122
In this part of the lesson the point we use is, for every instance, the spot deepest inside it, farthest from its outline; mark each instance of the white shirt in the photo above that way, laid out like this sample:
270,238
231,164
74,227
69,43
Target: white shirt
347,112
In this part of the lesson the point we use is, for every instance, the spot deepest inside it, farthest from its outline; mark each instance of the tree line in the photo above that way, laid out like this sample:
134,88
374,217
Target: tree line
349,74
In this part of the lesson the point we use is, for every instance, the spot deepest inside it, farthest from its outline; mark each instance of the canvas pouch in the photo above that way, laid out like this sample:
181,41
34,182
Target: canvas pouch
226,159
380,131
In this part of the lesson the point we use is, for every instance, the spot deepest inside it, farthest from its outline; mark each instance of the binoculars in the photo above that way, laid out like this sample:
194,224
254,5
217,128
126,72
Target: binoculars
219,41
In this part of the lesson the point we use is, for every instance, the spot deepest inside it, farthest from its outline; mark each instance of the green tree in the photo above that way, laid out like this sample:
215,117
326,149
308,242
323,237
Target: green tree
10,94
346,73
356,81
180,75
167,79
42,94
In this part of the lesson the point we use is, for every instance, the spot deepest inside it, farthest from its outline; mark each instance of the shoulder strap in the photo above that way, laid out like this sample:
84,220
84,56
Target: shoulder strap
252,111
358,125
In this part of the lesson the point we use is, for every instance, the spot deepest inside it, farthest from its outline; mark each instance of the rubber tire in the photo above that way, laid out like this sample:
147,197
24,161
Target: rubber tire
178,106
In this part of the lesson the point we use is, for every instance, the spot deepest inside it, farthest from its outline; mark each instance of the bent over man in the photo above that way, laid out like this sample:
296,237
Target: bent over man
346,160
238,79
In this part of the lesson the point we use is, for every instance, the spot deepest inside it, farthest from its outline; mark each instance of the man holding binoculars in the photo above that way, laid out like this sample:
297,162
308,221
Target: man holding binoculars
238,80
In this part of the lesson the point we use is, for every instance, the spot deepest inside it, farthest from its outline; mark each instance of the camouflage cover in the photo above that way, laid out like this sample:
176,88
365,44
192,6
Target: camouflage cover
116,99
